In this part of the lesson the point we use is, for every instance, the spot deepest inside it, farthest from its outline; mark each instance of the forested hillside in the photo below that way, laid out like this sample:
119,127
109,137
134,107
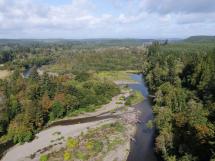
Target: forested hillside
182,78
200,39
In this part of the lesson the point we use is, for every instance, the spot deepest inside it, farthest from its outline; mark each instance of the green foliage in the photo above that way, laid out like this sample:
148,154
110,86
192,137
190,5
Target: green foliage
149,124
67,156
181,77
20,130
6,56
117,126
187,157
116,75
74,90
135,98
44,158
113,143
14,106
100,59
40,99
201,39
57,110
83,76
72,143
81,155
92,145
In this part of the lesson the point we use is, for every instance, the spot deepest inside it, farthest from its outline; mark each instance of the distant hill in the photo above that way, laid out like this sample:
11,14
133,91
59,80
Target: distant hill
77,42
200,39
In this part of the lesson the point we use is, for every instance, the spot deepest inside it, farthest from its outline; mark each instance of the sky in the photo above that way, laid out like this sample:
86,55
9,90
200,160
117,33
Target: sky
83,19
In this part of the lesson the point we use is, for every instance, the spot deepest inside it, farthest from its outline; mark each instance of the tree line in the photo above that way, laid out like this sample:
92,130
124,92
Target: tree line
27,105
182,78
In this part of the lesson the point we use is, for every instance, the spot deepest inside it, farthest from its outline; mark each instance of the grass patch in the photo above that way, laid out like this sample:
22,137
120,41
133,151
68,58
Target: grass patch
135,98
116,75
113,143
81,155
83,110
43,157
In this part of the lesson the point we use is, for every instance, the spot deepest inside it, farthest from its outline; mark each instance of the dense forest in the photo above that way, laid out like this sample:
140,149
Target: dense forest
29,103
180,75
182,78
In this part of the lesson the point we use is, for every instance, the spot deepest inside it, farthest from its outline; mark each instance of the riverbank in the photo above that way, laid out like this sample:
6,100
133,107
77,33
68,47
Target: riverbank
5,74
46,141
116,103
107,142
143,148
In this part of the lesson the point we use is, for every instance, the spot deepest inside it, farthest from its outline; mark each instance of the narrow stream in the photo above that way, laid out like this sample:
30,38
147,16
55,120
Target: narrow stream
142,149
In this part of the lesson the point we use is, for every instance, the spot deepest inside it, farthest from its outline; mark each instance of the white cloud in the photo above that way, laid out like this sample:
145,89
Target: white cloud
181,6
129,18
28,14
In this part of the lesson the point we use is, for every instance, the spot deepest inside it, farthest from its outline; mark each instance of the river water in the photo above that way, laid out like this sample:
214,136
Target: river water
142,149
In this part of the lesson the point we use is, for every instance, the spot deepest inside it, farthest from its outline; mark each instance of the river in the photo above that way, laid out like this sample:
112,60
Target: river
142,149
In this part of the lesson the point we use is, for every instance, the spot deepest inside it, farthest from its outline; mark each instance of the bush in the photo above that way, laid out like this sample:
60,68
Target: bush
57,110
81,155
82,76
94,145
67,155
135,98
72,143
44,157
19,130
149,124
117,126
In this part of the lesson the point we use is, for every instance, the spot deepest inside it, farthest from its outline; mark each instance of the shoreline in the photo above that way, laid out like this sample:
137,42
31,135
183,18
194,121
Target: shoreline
43,138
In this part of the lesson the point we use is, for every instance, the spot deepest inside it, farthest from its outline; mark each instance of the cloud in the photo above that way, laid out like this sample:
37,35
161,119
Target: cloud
28,14
181,6
85,18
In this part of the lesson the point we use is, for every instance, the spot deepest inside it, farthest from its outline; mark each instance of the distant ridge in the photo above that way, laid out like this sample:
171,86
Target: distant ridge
78,42
200,38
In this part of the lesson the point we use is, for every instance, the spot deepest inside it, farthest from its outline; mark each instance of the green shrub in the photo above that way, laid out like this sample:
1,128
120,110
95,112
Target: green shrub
19,131
135,98
149,124
119,127
72,143
81,155
44,157
57,110
113,143
122,98
67,156
97,146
